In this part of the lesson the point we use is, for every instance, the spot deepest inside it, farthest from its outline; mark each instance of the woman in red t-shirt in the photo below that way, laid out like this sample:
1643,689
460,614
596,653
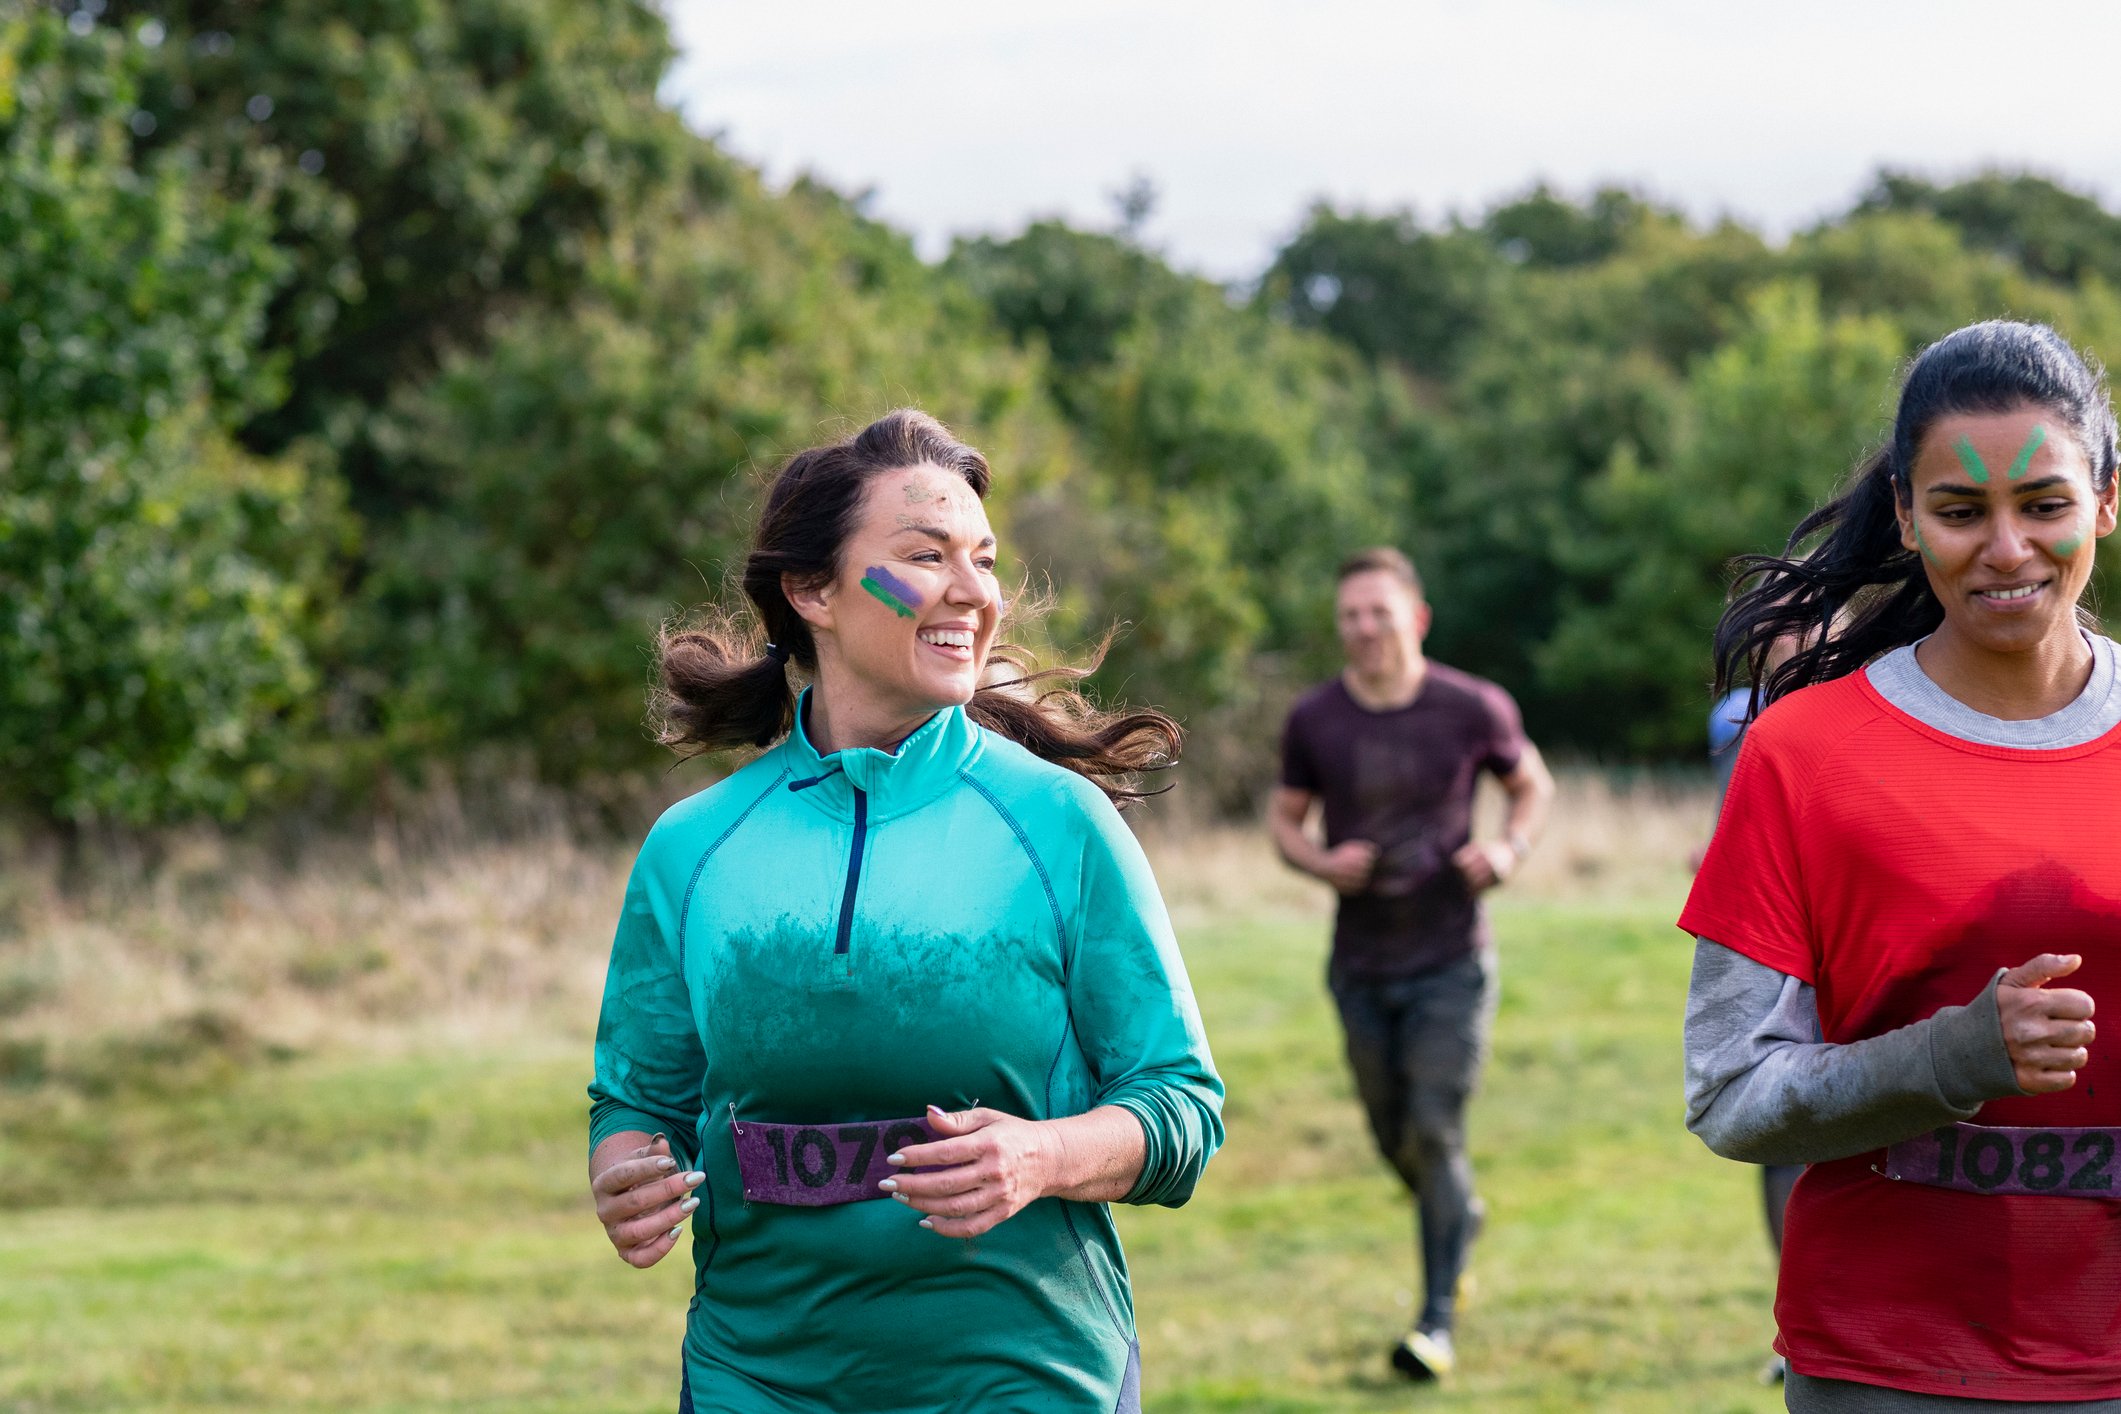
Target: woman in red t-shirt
1918,847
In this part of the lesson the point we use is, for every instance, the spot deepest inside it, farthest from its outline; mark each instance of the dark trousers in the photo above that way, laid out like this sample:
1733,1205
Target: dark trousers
1416,1045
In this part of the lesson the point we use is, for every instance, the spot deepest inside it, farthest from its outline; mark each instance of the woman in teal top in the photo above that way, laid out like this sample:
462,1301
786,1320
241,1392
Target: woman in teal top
900,983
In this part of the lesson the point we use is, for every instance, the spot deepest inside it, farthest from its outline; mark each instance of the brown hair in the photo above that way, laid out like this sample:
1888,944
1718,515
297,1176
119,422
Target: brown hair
1381,557
723,686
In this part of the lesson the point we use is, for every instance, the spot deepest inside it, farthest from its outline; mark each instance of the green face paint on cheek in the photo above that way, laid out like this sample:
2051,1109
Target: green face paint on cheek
1921,543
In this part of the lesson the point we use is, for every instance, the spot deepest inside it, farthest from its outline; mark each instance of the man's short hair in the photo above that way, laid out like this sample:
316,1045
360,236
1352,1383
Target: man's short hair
1381,557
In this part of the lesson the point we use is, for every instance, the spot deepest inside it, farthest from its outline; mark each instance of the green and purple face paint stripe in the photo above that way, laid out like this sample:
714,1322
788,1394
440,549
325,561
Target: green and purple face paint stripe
894,592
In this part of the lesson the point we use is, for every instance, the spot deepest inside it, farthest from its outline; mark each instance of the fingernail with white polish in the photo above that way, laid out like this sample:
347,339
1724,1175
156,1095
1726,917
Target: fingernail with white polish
889,1185
928,1224
896,1159
688,1205
694,1180
678,1231
666,1165
902,1198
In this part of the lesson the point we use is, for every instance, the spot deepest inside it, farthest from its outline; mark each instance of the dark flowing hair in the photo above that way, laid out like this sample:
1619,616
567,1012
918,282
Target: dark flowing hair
1859,593
724,686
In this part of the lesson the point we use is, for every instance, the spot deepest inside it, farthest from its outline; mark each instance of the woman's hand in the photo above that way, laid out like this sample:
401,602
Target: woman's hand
2045,1031
642,1199
987,1168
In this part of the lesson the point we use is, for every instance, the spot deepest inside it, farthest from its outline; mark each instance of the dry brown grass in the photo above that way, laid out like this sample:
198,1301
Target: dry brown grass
1607,838
417,935
370,944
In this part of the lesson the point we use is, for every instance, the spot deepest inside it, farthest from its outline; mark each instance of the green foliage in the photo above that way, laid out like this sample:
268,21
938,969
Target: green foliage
2042,227
1227,468
1387,287
595,470
428,163
1542,228
373,381
155,578
1792,393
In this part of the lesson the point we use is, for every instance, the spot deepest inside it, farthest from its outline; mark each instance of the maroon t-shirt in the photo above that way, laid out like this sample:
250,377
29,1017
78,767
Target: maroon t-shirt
1404,781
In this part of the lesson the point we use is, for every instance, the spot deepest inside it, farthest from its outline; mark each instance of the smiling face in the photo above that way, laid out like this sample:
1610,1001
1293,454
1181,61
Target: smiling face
904,628
1381,622
2003,513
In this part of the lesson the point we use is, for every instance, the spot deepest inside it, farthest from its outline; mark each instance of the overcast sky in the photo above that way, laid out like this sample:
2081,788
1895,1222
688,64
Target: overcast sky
976,117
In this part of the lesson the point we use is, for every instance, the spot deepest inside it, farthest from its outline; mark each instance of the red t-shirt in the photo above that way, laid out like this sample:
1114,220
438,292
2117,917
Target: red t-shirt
1895,868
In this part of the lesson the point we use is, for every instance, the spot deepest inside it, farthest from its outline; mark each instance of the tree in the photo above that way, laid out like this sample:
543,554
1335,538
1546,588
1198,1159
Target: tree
591,471
1544,230
156,579
1388,287
1771,424
2038,224
428,164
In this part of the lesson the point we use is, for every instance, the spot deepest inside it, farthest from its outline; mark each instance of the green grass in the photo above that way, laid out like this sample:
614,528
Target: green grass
348,1234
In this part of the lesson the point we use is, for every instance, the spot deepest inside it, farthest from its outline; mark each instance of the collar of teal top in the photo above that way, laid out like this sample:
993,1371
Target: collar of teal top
925,765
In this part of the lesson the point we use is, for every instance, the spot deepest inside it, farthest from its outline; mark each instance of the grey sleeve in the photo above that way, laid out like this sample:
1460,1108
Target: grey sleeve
1762,1086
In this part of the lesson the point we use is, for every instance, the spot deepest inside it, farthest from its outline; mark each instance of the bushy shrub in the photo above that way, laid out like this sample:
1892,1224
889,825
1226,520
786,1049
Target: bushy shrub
156,581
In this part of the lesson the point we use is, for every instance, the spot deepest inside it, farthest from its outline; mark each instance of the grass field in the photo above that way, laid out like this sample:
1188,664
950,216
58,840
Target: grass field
197,1217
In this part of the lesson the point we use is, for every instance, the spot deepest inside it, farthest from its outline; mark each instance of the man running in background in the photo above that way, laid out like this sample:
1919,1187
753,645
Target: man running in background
1392,750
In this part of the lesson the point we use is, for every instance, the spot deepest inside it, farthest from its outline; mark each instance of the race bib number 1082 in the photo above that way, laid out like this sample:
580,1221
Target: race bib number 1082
1975,1158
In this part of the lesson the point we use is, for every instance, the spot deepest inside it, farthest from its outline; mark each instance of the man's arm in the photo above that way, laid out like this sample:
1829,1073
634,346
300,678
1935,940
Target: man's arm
1530,786
1346,866
1531,792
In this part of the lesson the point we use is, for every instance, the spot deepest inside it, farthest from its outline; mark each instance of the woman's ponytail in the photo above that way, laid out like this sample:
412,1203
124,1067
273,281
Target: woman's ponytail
718,691
1855,595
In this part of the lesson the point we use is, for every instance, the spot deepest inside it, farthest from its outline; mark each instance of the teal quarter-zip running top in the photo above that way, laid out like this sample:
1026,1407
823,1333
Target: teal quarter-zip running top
837,940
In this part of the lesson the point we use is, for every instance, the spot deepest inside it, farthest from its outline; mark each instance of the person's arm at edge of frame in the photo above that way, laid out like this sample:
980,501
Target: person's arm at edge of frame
1530,787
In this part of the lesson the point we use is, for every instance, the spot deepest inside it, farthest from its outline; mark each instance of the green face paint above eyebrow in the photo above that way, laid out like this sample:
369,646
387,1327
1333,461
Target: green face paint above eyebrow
2025,454
1971,460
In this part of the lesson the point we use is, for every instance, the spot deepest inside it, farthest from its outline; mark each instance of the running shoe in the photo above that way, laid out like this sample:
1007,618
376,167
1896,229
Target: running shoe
1424,1355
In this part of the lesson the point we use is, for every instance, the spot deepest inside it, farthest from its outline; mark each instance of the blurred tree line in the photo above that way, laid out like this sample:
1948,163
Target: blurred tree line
375,378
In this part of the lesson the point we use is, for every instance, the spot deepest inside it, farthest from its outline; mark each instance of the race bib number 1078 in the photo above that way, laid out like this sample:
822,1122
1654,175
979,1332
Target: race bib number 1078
1975,1158
819,1165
